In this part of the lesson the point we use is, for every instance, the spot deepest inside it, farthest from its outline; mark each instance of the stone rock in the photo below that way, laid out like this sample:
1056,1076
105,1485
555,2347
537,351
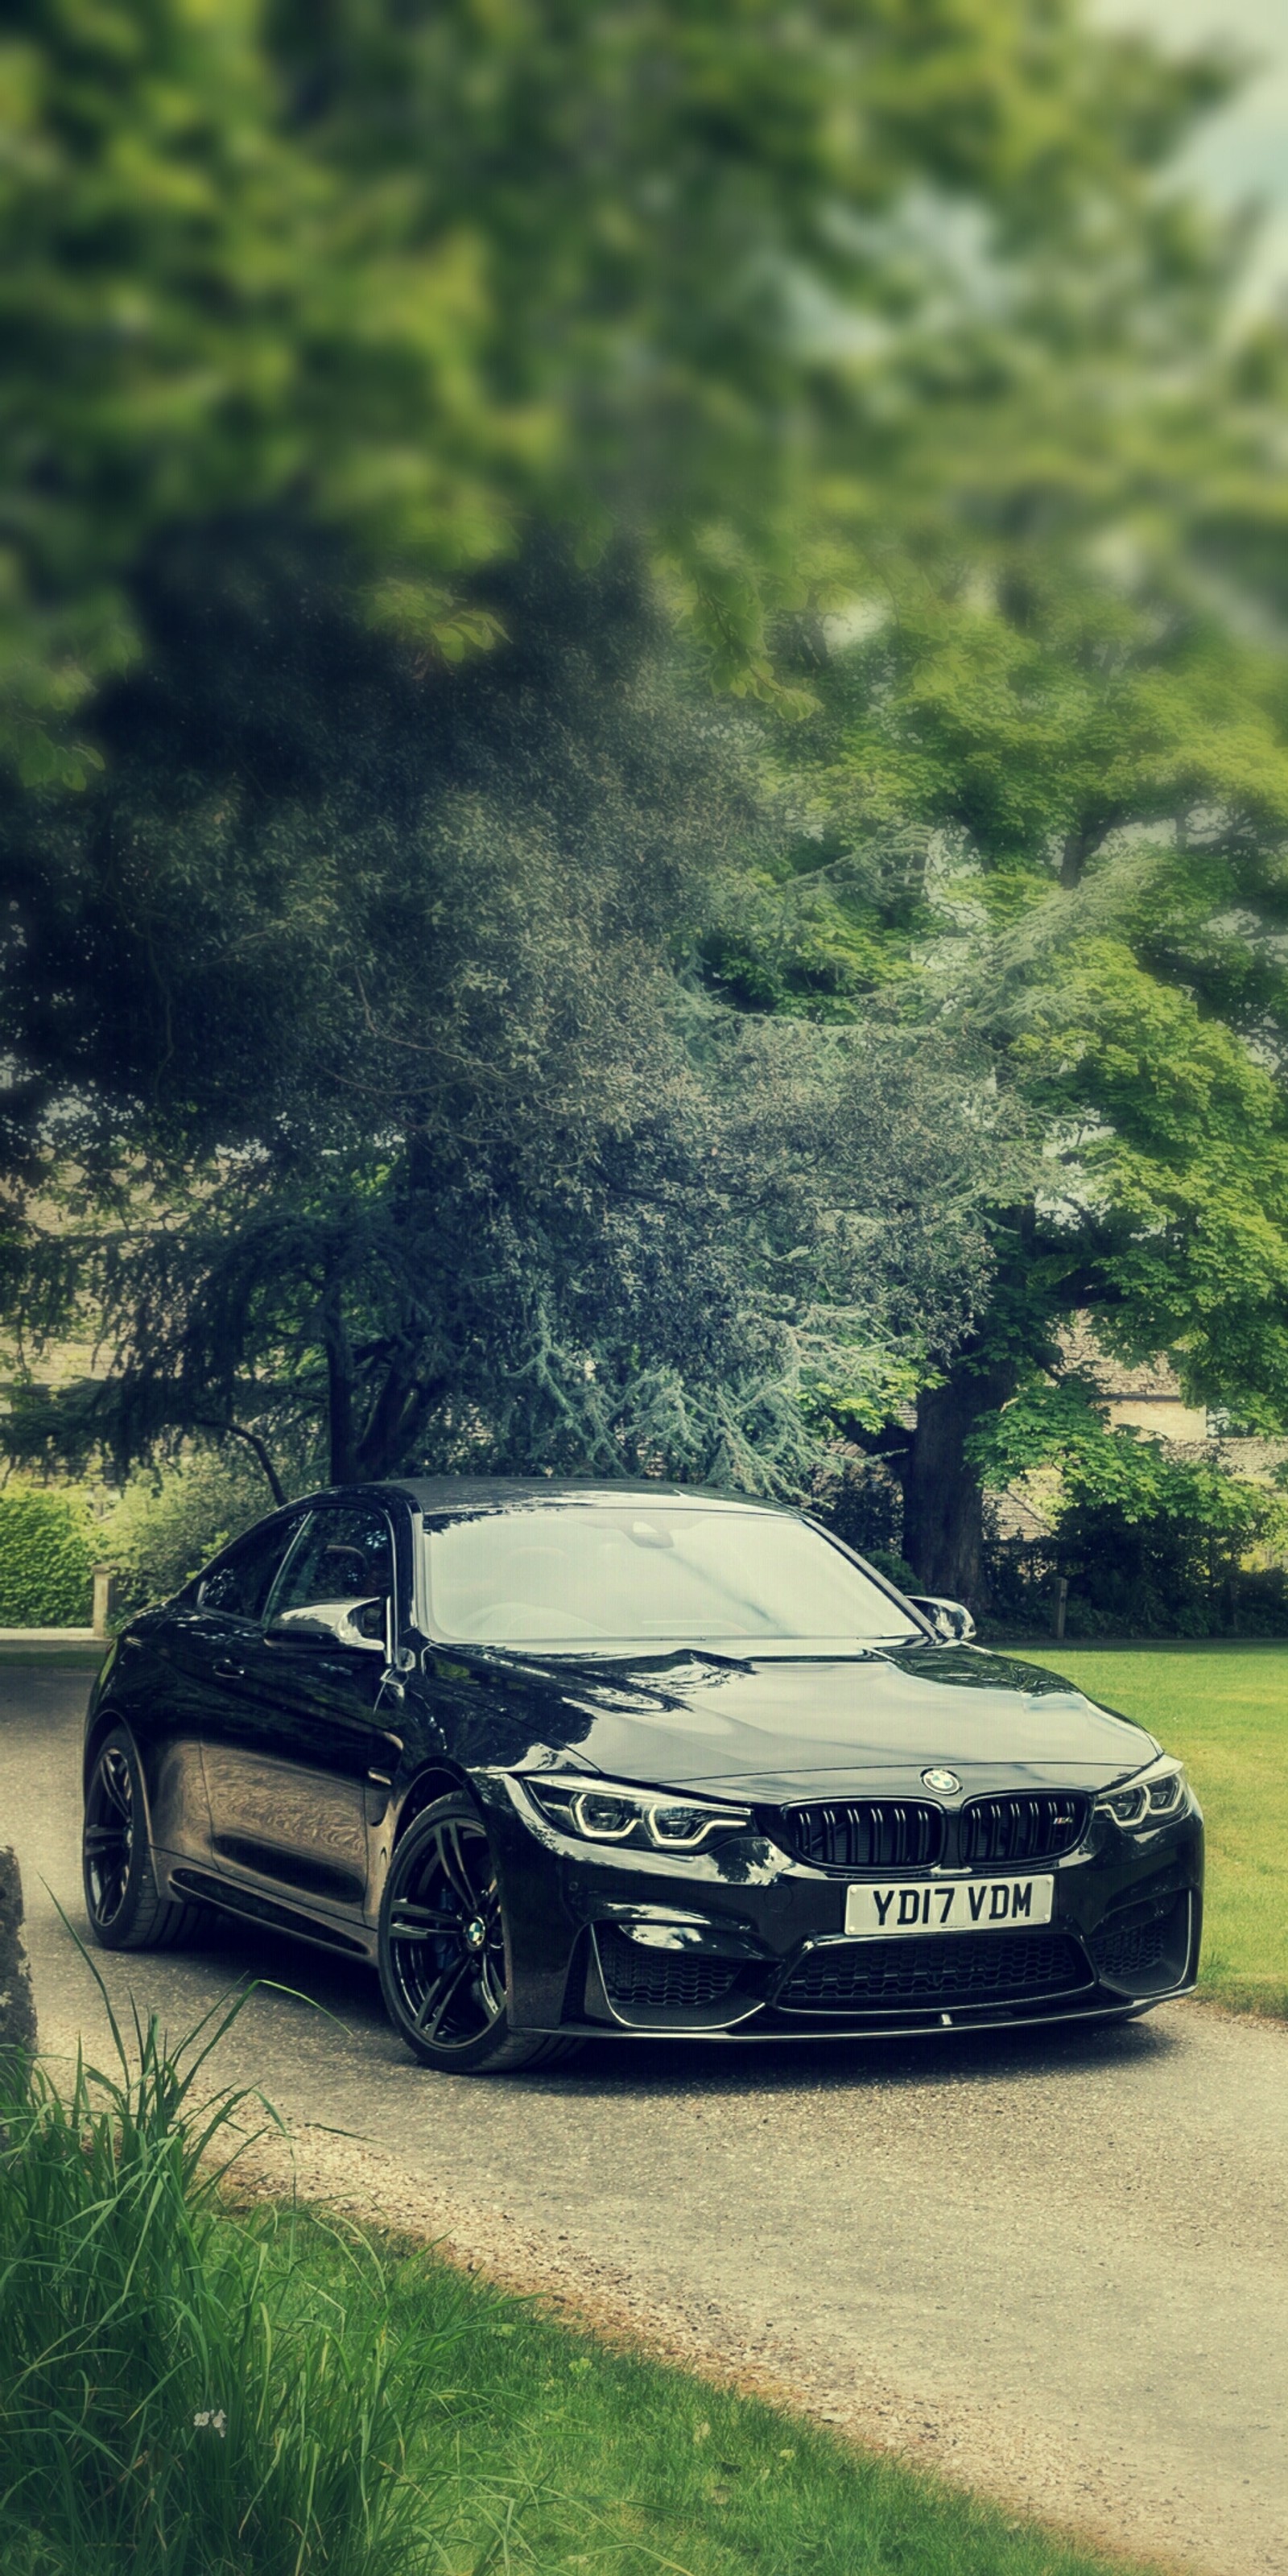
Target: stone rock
17,2006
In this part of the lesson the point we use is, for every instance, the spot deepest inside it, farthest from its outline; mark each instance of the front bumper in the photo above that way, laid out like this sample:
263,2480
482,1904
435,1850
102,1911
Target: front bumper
745,1942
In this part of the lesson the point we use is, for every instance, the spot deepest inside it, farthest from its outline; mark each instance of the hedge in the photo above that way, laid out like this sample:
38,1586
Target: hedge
46,1560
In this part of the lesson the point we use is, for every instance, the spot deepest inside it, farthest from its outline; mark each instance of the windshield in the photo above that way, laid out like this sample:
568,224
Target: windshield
615,1575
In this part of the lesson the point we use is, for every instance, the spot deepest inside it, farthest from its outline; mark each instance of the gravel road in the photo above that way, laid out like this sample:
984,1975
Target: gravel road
1056,2269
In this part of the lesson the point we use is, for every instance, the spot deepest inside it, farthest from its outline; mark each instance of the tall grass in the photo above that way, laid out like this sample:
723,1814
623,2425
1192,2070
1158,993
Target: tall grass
188,2390
178,2395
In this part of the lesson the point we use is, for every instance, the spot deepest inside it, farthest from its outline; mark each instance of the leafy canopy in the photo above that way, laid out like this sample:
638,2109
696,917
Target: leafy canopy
447,1163
1044,799
747,283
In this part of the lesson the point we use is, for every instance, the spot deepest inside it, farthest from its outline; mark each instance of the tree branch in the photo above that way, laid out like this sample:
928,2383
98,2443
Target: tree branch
239,1431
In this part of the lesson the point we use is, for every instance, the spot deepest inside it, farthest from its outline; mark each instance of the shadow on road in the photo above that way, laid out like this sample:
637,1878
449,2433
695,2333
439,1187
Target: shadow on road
639,2069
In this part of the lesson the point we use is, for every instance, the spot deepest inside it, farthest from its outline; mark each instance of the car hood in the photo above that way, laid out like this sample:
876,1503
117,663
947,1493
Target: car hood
803,1725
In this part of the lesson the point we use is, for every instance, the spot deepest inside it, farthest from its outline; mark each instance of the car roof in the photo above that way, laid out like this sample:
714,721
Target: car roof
498,1493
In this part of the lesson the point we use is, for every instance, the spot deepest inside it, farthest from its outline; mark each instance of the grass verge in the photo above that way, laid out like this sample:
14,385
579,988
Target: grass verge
179,2395
192,2389
55,1659
1226,1714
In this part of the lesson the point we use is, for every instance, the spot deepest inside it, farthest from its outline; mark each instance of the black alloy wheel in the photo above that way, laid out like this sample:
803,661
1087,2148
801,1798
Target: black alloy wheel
125,1907
442,1949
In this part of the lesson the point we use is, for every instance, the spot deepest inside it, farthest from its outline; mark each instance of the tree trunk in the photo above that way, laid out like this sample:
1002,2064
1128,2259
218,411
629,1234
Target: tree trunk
397,1422
943,1503
339,1386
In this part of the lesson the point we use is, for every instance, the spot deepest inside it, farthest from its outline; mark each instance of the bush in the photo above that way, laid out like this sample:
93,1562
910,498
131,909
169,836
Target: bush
1129,1581
47,1557
1154,1542
170,1521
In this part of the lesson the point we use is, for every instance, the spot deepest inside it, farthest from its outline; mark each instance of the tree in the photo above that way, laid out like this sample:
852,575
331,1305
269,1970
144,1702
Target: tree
765,313
432,276
1077,790
446,1163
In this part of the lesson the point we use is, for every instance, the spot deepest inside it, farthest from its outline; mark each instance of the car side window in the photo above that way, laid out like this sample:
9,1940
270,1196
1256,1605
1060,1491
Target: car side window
239,1584
346,1554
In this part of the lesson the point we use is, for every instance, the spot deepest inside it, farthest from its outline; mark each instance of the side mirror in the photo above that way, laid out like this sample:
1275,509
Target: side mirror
951,1620
360,1624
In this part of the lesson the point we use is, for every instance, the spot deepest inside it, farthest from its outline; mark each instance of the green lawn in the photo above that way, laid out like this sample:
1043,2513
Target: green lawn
534,2449
621,2464
57,1659
1225,1711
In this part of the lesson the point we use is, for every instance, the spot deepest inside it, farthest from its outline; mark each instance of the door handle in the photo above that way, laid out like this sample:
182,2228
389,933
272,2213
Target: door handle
230,1672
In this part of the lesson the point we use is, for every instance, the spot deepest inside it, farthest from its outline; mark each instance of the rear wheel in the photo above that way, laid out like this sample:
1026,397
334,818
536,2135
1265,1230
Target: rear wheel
442,1949
125,1907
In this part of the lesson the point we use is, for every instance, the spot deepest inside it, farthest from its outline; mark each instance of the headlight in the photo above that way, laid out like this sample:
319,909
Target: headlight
1150,1798
599,1811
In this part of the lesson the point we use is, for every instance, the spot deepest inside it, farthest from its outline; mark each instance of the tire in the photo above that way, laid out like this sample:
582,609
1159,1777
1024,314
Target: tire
442,1950
125,1907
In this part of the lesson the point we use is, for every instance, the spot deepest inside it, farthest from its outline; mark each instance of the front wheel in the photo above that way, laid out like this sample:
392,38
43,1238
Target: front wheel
442,1949
125,1906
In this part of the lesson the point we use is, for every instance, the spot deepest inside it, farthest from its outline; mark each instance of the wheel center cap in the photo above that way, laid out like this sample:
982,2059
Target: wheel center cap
475,1933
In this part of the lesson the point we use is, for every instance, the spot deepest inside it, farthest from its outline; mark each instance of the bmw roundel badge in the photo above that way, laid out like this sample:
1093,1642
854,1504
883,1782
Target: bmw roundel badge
945,1780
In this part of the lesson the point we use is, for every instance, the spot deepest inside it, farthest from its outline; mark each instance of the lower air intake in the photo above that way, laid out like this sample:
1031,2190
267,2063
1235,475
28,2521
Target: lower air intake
1133,1952
1145,1946
657,1978
963,1967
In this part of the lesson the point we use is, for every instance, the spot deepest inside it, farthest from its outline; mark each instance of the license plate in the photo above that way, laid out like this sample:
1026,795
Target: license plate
956,1905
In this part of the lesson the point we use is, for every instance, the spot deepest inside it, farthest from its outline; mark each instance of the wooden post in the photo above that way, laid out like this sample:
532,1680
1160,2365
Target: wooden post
1061,1603
102,1599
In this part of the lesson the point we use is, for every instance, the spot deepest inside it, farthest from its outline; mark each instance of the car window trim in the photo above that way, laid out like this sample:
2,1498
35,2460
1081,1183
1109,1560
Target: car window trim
307,1518
241,1618
330,1511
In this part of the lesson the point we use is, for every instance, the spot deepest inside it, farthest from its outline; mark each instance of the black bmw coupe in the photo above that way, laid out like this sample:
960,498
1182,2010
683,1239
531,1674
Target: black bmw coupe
567,1760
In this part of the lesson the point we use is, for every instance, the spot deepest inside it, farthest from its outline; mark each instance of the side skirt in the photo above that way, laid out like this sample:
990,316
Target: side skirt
205,1889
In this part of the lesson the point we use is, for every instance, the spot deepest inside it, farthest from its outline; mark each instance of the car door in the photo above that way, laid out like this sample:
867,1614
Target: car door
201,1647
308,1742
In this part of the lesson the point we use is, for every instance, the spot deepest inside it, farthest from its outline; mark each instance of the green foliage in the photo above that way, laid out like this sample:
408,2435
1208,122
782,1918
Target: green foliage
387,382
448,1168
1170,1139
896,1568
1121,1472
880,1385
196,321
857,1498
1149,1541
176,2393
173,1517
47,1555
1051,786
650,1280
821,925
438,273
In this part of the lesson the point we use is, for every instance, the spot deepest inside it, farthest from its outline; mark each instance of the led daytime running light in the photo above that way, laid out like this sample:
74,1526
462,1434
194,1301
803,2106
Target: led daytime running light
1155,1795
602,1811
